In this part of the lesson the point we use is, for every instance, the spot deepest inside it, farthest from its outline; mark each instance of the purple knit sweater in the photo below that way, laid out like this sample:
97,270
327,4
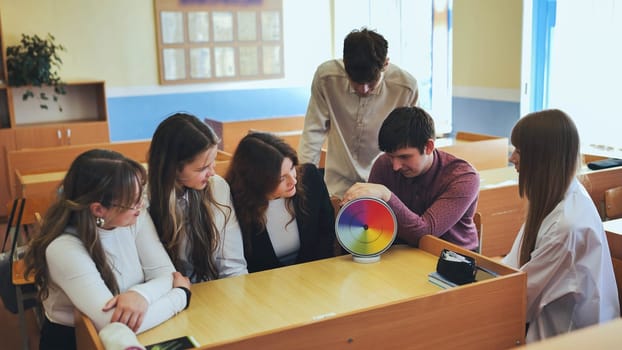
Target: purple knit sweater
440,202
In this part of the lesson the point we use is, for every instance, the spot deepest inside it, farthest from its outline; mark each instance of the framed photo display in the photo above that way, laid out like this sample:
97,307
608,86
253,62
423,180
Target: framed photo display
203,41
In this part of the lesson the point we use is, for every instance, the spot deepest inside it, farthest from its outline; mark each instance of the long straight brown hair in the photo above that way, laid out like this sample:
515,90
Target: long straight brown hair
97,175
548,145
176,142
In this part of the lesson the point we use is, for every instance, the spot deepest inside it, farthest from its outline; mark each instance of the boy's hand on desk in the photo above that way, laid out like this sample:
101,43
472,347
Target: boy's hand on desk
362,189
130,308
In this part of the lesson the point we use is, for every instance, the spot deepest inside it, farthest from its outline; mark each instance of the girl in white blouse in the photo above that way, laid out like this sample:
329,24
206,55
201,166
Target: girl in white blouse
562,245
98,252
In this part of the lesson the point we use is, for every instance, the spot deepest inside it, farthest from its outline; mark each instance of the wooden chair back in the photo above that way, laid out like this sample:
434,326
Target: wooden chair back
614,240
87,337
223,159
25,296
336,202
617,271
477,220
613,203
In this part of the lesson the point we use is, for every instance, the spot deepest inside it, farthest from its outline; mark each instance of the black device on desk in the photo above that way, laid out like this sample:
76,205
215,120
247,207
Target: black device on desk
604,163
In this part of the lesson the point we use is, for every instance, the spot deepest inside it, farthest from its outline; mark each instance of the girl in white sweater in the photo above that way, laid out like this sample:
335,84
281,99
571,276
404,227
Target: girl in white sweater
99,252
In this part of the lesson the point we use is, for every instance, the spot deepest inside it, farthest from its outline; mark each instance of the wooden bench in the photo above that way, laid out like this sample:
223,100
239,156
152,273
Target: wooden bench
503,211
50,160
232,132
482,151
87,337
37,172
613,230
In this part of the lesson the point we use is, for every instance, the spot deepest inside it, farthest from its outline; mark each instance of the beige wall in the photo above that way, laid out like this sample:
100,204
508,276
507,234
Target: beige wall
487,43
113,40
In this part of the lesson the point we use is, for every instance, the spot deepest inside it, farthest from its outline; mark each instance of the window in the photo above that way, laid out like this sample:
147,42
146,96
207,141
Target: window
419,36
576,62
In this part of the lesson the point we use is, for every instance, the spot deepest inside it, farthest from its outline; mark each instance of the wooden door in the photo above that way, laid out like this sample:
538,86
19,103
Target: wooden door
87,132
38,136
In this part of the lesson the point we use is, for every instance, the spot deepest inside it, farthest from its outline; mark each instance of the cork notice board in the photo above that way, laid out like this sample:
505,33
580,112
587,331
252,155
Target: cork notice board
203,41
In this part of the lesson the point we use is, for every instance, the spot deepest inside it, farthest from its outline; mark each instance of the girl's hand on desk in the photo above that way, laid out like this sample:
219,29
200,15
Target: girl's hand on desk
130,308
180,280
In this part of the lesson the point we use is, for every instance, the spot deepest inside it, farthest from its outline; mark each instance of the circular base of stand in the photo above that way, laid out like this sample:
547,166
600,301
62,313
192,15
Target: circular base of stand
366,259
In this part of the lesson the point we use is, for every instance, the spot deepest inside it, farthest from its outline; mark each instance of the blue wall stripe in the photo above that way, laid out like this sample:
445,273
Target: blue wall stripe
484,116
136,117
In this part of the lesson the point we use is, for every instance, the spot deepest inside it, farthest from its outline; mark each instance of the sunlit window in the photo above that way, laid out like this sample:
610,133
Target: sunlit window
578,55
419,36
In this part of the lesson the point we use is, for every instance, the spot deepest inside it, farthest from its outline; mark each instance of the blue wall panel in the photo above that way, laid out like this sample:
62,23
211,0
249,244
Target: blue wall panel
484,116
136,117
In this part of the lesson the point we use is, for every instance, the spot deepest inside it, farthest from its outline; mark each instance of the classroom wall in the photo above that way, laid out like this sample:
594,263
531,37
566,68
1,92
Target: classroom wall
486,65
115,41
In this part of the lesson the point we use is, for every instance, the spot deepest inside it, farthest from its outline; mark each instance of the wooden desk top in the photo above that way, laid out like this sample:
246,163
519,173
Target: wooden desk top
613,226
447,141
613,230
507,176
602,150
499,177
603,336
243,306
53,176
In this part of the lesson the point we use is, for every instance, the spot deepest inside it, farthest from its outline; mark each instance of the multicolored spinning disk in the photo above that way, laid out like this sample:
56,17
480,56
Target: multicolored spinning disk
366,227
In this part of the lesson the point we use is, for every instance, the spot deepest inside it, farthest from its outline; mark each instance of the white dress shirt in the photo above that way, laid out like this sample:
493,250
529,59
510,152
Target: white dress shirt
570,279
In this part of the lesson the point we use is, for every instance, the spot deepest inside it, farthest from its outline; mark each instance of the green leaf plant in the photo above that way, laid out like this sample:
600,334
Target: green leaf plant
32,63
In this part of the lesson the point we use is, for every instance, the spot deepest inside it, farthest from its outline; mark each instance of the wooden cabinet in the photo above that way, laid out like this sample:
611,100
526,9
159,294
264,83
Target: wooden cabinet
61,134
78,117
7,143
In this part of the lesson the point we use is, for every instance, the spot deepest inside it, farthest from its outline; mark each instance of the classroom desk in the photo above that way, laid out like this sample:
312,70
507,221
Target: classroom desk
503,211
602,151
602,336
613,230
482,151
42,184
32,182
499,177
336,302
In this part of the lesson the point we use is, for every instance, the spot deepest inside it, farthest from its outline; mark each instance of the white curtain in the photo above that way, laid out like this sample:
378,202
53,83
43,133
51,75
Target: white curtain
586,68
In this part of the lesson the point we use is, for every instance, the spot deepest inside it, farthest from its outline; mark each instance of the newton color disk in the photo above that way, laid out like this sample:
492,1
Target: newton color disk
366,227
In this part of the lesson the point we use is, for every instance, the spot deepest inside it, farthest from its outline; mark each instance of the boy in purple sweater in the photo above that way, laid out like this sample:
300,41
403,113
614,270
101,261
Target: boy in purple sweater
430,191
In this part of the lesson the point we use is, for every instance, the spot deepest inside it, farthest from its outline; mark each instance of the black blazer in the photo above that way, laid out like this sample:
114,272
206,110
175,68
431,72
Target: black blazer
316,228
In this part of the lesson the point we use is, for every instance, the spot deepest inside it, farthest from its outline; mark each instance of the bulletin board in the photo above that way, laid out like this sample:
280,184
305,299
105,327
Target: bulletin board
202,41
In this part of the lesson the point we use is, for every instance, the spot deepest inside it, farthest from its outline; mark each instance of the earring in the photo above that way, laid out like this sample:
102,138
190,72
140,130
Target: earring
99,222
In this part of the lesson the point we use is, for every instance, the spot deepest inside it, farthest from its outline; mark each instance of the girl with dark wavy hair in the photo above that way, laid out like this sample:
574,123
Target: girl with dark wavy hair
284,208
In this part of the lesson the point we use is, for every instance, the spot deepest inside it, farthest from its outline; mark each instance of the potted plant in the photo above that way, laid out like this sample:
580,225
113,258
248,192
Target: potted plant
32,63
